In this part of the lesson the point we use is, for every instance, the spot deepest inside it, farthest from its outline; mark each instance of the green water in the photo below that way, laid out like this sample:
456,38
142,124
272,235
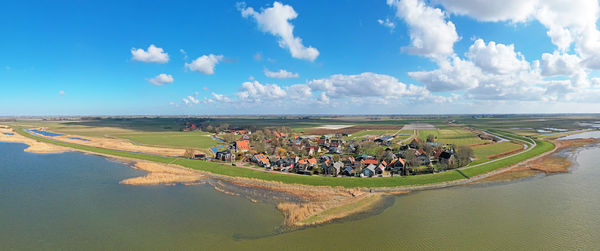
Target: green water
73,201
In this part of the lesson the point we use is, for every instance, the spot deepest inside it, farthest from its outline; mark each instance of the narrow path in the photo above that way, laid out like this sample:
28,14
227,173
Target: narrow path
531,144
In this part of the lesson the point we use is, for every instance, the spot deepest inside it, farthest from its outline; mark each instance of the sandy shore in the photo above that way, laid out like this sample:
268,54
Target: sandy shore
34,146
163,174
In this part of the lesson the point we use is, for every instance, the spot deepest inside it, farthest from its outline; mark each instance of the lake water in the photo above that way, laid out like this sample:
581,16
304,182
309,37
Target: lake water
74,201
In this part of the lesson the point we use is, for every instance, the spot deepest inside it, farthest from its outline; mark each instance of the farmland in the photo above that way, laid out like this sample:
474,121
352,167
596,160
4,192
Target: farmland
452,135
483,152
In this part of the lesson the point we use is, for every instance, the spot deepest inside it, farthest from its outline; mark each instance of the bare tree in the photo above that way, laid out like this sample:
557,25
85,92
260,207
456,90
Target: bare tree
189,153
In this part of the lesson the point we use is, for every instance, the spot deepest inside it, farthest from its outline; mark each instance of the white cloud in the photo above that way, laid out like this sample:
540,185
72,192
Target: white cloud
387,23
61,92
559,64
253,91
299,91
161,79
452,75
492,71
567,22
485,10
152,55
190,100
275,20
220,97
205,64
280,74
430,34
365,85
496,58
184,53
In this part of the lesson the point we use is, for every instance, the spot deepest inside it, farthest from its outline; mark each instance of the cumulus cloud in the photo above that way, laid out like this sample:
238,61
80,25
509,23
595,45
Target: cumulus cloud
496,58
387,23
253,91
491,71
275,20
430,34
364,85
152,55
485,10
452,75
559,64
161,79
567,22
220,97
280,74
205,64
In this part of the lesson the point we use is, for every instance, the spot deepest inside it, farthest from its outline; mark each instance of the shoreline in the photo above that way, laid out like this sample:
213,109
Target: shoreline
551,163
316,204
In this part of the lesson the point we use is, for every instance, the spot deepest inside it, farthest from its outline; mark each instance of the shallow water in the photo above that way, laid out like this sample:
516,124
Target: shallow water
583,135
74,201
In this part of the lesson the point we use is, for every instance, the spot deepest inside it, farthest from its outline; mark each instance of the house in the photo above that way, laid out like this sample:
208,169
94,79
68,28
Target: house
368,171
335,150
348,160
242,145
336,168
415,143
446,157
434,144
398,166
347,171
312,150
364,157
385,140
225,156
380,168
422,159
323,141
261,160
369,162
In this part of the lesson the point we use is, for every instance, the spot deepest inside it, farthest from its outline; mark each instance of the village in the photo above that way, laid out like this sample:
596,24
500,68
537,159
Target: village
279,150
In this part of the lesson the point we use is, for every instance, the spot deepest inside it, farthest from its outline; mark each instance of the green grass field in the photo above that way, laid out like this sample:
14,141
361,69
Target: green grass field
542,147
195,139
233,171
482,152
452,135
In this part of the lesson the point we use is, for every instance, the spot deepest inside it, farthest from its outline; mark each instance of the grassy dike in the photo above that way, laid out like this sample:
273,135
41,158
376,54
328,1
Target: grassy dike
233,171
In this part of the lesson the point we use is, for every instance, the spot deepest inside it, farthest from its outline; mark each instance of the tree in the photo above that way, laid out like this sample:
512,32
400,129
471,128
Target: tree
428,149
229,138
281,152
463,155
430,138
260,146
336,158
410,158
189,153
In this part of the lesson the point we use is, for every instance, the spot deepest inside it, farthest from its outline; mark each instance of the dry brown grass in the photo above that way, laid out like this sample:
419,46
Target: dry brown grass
34,146
163,174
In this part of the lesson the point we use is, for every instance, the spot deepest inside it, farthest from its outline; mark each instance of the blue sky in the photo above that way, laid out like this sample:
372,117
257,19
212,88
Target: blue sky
77,58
